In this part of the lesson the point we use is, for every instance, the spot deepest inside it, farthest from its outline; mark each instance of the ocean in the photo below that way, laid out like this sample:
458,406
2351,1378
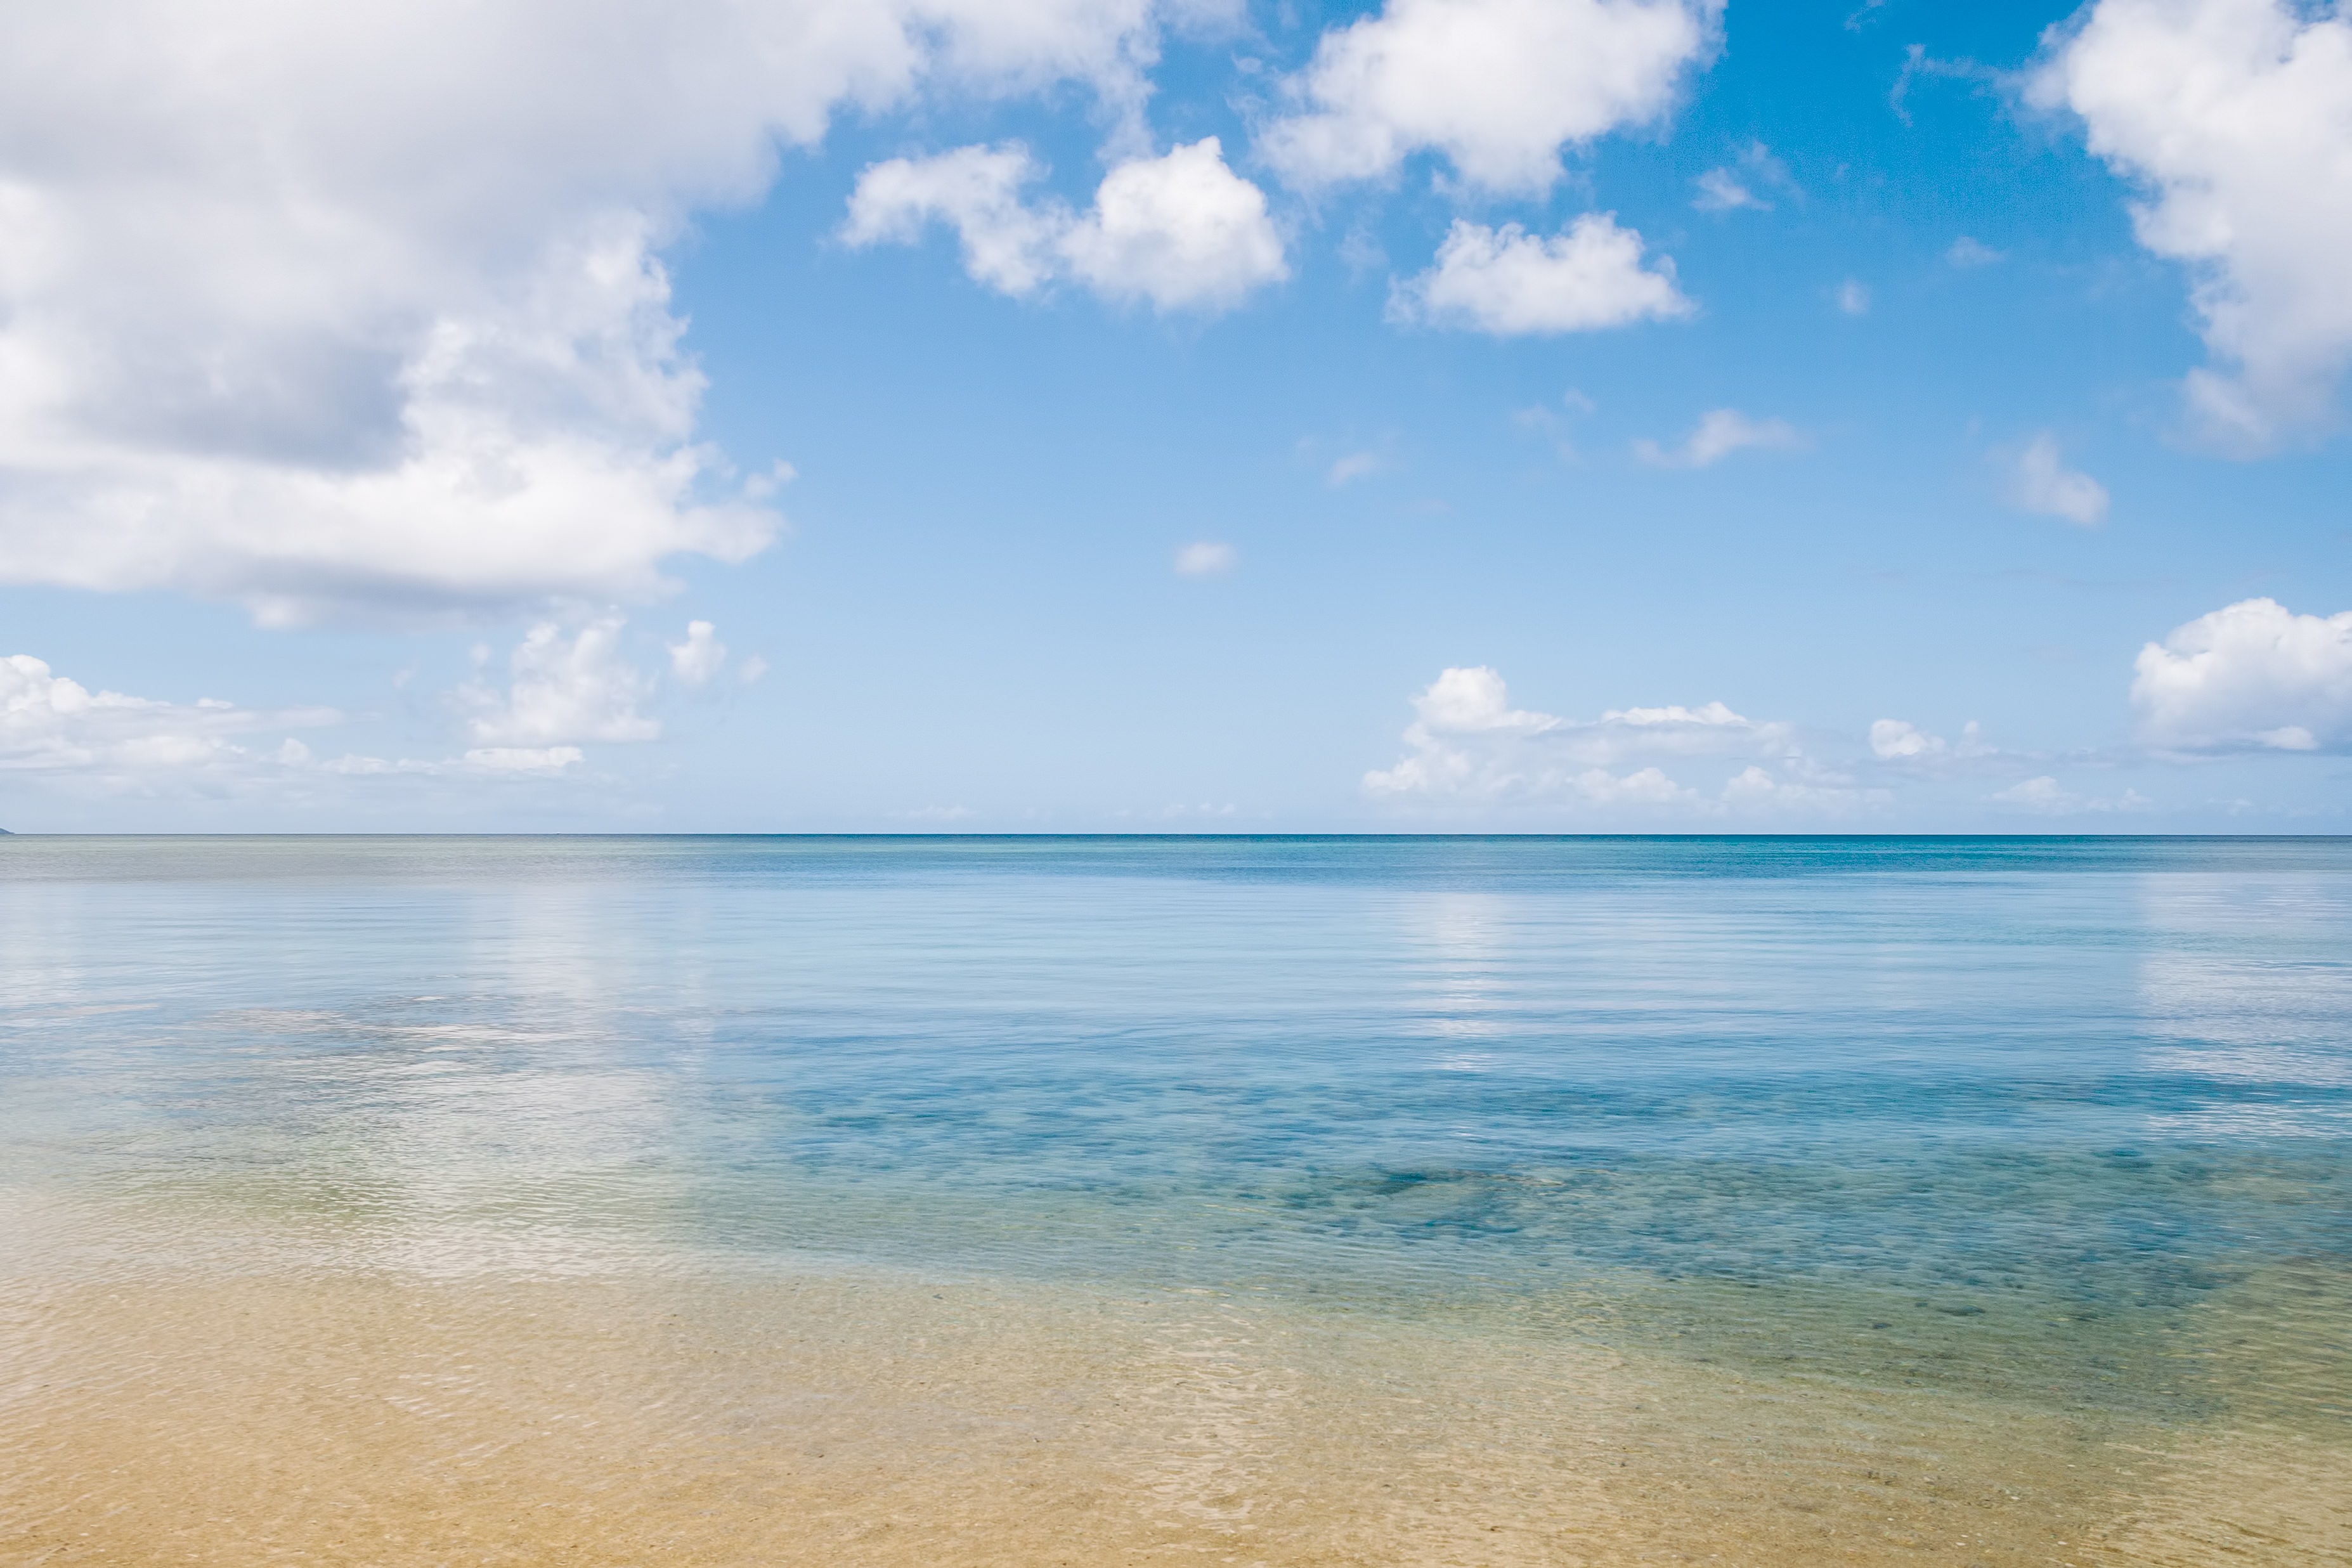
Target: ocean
1280,1200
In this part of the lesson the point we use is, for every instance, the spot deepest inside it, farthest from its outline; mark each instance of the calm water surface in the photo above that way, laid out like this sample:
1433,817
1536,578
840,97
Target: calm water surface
2004,1118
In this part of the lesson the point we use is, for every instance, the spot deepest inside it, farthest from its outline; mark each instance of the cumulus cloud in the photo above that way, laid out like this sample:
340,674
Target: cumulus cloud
1206,557
53,724
700,656
1467,745
360,307
1853,297
2039,482
1497,86
1721,433
2251,676
1182,231
2234,119
57,731
1510,283
561,689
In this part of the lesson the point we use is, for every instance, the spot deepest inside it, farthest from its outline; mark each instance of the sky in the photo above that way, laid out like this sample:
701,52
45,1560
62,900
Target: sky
1208,416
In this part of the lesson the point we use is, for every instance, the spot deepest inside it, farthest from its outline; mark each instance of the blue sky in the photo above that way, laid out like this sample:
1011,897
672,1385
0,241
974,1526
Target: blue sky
1527,414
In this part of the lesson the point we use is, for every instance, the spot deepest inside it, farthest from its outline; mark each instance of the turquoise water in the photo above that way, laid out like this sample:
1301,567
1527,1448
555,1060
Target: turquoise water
1997,1113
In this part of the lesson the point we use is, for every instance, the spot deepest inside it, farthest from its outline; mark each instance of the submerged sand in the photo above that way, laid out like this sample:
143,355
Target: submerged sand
236,1403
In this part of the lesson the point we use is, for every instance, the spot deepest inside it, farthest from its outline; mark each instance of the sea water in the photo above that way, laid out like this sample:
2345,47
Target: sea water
1279,1199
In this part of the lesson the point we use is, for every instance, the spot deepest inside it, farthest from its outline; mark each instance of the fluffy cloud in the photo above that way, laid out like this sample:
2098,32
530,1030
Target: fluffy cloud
1497,86
1511,283
52,723
2235,117
1182,231
1721,433
564,690
316,309
1467,745
2039,481
2251,676
700,656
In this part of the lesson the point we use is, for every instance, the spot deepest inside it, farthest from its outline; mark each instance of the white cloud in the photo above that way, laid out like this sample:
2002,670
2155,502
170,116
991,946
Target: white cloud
1721,433
1720,191
523,758
52,723
1510,283
1899,740
1906,745
2251,676
1182,231
1853,297
2045,796
752,669
2235,117
1894,739
1206,557
1733,186
1755,791
2039,482
1352,466
358,307
563,690
53,728
480,762
1497,86
977,192
1968,254
1467,745
700,656
1554,425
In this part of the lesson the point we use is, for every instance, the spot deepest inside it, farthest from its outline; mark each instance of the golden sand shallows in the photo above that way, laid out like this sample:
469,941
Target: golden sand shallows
201,1414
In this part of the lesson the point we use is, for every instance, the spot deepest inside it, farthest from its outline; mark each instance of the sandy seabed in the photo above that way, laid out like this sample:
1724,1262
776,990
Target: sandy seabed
197,1409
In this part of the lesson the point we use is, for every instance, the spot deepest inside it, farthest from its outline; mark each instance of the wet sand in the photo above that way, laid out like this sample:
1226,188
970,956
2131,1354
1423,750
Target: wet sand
235,1402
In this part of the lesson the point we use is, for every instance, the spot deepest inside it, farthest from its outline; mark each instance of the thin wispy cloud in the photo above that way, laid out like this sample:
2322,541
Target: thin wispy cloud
1721,433
1968,254
1206,557
1752,181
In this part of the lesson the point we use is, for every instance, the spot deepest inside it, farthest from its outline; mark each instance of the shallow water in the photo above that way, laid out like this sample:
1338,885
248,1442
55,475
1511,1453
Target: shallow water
1273,1200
